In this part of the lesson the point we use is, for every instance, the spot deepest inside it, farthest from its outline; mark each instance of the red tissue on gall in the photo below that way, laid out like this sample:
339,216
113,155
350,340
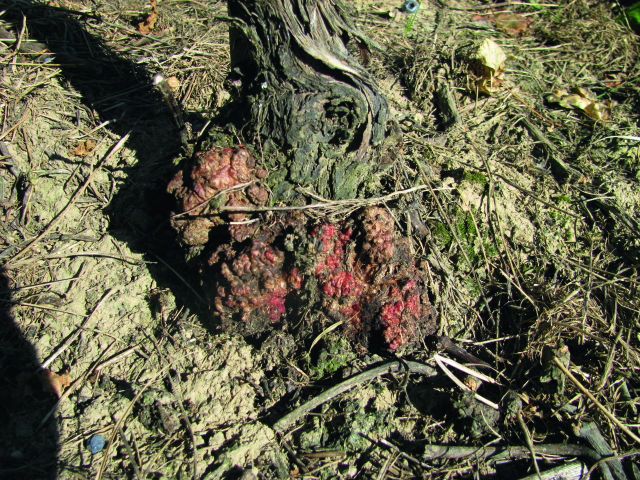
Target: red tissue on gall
372,286
359,271
256,283
401,314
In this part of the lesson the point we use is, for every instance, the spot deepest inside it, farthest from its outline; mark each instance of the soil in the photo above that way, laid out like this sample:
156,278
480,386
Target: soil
518,218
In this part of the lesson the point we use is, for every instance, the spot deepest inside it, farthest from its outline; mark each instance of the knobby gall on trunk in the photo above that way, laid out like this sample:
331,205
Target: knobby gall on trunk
358,272
310,105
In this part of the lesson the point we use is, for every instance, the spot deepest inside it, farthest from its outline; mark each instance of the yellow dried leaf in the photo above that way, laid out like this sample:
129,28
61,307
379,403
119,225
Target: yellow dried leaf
574,100
491,56
583,92
557,95
83,148
583,100
596,111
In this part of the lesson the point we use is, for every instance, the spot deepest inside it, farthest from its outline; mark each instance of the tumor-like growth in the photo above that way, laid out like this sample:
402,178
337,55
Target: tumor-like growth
220,177
358,272
373,287
256,283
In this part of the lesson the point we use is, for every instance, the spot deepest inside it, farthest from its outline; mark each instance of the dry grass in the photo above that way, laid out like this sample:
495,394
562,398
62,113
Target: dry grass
524,212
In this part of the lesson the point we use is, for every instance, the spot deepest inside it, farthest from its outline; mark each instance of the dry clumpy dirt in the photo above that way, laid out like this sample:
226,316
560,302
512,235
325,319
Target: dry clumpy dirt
504,237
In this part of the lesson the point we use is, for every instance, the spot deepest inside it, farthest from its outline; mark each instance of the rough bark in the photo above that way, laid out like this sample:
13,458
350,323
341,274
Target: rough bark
306,95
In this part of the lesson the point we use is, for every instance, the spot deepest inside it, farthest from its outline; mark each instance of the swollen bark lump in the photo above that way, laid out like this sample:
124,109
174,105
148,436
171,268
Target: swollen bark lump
359,272
211,183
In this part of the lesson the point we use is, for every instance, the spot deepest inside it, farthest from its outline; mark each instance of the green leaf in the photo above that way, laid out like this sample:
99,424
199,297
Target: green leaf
631,15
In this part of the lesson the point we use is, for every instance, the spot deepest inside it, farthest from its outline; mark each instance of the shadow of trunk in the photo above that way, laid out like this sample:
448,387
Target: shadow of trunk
120,92
26,451
117,91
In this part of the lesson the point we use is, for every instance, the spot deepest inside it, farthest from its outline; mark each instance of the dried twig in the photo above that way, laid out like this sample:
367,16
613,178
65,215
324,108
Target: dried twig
391,446
77,332
461,385
325,204
116,428
526,104
131,453
467,370
125,259
413,367
75,384
446,344
496,5
601,407
567,471
493,454
117,357
177,391
44,284
530,446
239,186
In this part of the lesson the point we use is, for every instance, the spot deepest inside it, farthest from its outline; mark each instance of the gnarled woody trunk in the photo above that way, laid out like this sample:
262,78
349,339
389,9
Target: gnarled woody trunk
307,95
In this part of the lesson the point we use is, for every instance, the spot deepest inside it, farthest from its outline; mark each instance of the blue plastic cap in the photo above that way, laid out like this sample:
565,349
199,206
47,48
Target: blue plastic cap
95,444
411,6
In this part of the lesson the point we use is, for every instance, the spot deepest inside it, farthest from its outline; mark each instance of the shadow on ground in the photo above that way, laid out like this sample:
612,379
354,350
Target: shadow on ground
26,450
115,90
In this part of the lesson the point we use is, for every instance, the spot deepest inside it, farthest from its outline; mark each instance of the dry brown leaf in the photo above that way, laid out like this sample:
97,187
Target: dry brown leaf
83,148
512,24
489,62
54,383
147,25
583,100
612,80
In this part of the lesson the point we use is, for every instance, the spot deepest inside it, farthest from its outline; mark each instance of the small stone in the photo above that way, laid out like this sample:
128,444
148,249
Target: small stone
95,444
